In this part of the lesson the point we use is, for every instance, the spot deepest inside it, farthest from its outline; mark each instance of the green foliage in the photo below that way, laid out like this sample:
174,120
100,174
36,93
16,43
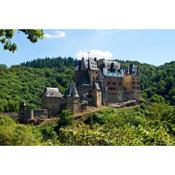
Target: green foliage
23,135
152,124
55,62
12,133
157,81
6,121
146,125
48,134
16,134
66,119
157,98
96,118
25,83
6,35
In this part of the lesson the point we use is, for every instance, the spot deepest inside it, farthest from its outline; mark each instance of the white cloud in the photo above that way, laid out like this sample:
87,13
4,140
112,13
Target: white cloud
94,53
57,34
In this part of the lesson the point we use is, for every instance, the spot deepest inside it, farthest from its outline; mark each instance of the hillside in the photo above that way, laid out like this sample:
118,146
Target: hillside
145,125
152,123
28,80
27,84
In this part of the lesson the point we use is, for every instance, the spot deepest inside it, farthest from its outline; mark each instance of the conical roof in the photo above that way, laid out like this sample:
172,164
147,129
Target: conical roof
72,91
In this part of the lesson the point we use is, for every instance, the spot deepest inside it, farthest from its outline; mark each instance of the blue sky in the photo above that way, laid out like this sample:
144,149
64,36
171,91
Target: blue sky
148,46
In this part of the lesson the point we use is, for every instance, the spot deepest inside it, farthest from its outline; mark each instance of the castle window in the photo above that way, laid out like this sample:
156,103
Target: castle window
119,83
108,83
113,83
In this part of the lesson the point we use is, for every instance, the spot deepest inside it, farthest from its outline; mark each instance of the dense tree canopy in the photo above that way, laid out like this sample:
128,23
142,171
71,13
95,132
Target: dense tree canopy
55,62
20,83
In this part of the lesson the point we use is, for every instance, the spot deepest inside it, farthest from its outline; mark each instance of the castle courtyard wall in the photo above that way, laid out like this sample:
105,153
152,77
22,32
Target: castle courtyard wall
52,104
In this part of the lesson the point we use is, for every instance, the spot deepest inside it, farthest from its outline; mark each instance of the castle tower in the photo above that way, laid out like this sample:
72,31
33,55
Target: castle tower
93,70
52,100
72,98
132,83
97,96
25,114
136,84
135,81
103,88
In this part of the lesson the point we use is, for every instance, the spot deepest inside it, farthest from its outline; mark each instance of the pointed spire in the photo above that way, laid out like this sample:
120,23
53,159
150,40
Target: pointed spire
72,91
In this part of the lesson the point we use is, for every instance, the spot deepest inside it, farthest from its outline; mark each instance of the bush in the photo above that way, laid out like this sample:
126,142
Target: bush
157,99
66,118
95,118
23,135
16,134
6,121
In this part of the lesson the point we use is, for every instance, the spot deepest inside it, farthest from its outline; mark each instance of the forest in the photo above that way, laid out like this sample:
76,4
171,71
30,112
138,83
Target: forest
151,123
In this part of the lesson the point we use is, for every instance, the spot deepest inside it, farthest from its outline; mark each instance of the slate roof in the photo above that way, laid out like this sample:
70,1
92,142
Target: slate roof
119,73
72,91
108,63
52,92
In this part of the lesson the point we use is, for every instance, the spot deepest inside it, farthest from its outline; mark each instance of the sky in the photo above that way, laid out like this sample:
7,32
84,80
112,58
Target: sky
147,46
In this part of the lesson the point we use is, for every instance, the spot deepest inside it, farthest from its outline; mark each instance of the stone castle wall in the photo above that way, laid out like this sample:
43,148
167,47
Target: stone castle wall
52,104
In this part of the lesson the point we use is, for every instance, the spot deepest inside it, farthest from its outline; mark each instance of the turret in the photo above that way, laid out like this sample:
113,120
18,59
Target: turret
96,93
72,98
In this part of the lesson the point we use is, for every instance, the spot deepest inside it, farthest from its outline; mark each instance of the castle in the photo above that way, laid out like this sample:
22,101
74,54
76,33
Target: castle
97,82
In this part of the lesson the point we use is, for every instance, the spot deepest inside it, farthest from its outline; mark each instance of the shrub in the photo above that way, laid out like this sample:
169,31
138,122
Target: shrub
66,118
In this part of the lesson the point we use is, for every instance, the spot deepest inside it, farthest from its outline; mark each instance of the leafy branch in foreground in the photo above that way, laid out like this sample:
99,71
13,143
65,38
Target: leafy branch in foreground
6,36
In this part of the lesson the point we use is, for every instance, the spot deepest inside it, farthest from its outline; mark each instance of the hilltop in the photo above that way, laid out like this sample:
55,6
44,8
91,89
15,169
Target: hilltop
28,80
